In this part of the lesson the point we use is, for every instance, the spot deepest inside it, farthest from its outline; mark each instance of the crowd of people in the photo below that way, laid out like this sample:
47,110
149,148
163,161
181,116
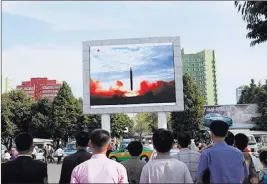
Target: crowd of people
223,161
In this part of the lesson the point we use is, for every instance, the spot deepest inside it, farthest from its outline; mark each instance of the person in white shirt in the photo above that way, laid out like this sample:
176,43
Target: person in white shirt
59,154
150,145
6,156
34,153
164,168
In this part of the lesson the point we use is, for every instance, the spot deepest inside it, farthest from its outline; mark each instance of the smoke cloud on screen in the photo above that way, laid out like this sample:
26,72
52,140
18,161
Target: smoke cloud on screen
145,86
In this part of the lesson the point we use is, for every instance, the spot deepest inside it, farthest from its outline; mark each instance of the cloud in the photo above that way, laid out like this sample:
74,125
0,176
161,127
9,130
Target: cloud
64,19
21,63
121,58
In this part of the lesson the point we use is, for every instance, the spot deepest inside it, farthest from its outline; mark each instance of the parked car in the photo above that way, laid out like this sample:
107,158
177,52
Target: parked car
71,148
123,154
208,118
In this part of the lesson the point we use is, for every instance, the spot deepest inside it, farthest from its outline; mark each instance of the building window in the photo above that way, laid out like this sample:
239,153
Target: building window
198,59
194,78
187,70
194,69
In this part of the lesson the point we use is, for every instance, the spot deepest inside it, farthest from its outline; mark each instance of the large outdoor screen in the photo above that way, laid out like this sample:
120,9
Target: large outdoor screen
132,74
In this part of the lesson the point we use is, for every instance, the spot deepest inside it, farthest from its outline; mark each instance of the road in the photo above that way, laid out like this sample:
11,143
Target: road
54,171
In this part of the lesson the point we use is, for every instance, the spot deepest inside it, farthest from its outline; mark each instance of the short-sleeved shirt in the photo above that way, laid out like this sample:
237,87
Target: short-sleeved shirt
165,169
191,159
226,164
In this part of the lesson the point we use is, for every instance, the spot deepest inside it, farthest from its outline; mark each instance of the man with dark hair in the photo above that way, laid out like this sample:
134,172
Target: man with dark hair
230,138
229,160
241,142
134,165
164,168
24,169
71,161
99,169
187,156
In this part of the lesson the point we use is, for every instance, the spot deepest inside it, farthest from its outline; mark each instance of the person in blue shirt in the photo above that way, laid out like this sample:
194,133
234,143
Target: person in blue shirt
225,163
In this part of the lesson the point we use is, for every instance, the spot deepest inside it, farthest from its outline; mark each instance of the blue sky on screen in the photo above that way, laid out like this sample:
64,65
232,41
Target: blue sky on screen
44,39
150,62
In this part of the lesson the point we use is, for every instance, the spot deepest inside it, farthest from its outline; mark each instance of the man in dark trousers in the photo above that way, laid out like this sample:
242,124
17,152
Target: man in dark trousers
71,161
24,169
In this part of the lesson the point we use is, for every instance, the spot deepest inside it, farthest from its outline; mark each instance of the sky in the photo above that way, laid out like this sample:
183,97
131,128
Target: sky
44,39
149,62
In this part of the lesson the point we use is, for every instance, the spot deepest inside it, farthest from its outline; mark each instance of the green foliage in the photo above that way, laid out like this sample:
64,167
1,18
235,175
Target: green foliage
94,122
41,118
8,128
142,126
65,111
15,115
250,93
255,14
256,94
191,119
262,108
119,123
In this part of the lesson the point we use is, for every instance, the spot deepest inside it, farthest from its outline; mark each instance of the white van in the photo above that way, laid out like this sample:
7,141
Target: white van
41,143
252,143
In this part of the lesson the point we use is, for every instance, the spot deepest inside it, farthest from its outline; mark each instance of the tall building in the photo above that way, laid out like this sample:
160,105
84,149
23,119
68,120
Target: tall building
40,88
202,67
239,93
6,85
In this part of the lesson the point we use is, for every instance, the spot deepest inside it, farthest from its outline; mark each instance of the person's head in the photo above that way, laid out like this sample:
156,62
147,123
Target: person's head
82,139
230,138
135,148
99,141
241,141
24,143
184,140
162,140
218,130
263,158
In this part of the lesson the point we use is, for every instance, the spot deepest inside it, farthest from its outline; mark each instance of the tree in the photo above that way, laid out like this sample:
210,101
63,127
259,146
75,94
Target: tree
41,118
94,122
262,108
119,124
8,128
20,109
191,119
152,119
142,126
250,93
16,115
65,113
255,14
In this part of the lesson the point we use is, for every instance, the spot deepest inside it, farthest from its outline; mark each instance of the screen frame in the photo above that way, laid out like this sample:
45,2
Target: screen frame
134,108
